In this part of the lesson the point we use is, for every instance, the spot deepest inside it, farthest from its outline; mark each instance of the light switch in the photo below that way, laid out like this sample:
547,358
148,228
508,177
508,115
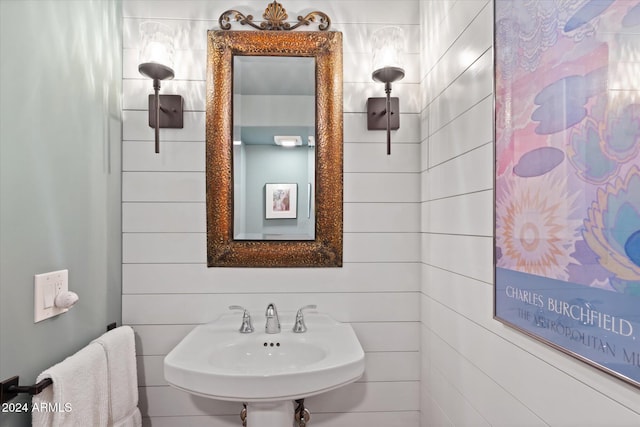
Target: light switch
49,294
46,287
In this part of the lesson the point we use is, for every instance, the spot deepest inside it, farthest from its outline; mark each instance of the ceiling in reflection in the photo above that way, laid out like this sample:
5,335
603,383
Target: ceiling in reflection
273,76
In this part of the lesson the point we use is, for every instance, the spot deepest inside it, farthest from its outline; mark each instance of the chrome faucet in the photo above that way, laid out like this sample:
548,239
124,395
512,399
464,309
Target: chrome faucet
299,327
246,327
273,322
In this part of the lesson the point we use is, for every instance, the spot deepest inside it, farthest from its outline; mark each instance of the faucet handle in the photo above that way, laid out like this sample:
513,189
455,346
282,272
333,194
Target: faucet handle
246,327
299,326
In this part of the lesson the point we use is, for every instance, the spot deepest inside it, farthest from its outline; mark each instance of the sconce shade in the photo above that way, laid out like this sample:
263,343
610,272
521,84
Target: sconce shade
388,54
156,51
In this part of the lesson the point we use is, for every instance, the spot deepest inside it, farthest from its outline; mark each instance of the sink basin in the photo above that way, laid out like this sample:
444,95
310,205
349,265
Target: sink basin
285,355
216,361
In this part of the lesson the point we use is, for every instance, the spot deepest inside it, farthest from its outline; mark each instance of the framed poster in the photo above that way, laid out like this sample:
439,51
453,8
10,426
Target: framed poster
281,201
567,177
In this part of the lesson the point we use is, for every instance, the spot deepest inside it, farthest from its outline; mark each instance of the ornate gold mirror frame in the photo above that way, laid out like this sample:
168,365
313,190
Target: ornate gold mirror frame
326,48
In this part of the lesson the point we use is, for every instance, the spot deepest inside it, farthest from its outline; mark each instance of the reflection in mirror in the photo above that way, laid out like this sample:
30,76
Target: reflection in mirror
318,190
274,101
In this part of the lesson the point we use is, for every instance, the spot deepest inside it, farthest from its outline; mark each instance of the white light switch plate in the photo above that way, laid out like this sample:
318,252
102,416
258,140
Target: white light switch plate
46,287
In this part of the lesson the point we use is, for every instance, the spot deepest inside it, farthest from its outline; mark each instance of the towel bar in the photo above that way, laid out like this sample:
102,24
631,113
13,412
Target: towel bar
10,388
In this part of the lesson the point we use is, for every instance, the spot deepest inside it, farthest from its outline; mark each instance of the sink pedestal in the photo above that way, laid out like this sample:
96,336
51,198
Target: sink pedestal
270,414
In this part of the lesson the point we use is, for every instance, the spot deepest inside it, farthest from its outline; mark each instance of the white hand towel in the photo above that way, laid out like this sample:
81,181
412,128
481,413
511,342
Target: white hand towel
119,347
134,419
79,394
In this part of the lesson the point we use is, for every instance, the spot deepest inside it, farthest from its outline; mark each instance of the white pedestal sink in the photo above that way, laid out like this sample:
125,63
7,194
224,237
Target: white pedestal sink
266,371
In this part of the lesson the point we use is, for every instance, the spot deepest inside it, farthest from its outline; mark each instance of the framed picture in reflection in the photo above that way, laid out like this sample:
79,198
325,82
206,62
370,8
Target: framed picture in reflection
281,201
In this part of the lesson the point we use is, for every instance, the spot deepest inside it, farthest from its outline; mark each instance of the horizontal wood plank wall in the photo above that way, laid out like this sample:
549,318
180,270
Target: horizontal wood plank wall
475,371
167,288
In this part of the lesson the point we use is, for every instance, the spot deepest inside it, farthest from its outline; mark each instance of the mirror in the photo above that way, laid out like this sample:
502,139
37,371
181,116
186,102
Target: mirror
274,137
261,210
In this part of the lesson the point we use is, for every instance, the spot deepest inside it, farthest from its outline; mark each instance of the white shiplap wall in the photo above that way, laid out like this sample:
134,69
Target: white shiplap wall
167,288
475,371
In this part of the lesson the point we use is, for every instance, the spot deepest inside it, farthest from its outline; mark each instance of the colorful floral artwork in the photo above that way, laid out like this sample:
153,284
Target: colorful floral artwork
567,188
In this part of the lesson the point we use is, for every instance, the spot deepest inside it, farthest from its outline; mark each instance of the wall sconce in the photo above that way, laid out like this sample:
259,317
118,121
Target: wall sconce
156,62
388,50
